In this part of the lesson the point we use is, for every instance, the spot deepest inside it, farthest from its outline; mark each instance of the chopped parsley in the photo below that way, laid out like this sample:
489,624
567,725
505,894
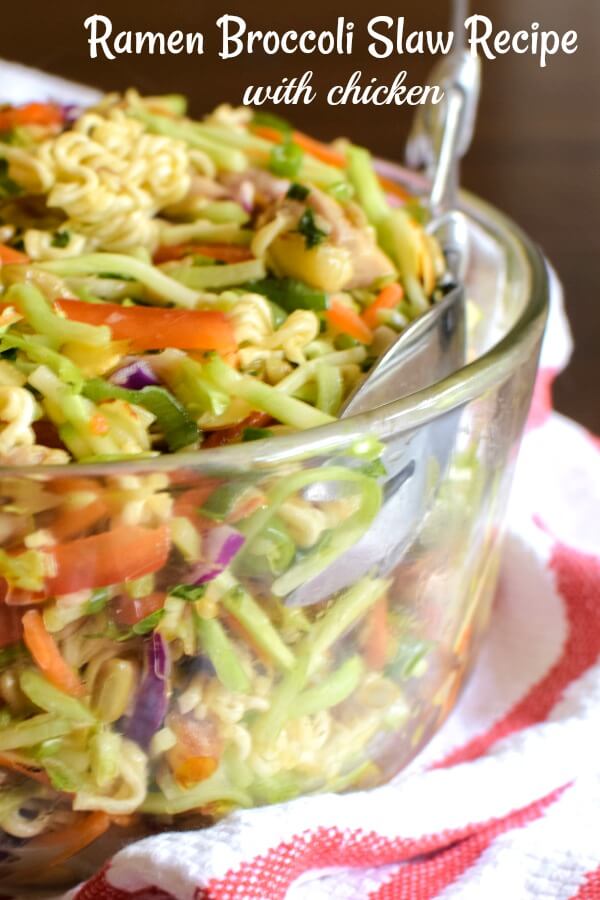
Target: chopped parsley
256,434
8,187
298,192
373,469
98,600
60,239
308,228
190,592
144,626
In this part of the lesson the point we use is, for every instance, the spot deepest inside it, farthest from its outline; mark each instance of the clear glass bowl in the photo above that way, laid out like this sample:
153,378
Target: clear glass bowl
266,700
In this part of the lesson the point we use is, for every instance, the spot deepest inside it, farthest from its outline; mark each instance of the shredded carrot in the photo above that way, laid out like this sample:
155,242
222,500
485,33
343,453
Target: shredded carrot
74,483
238,629
377,635
268,134
326,154
10,256
30,114
99,424
320,151
195,769
188,503
70,840
233,433
392,187
14,765
228,253
346,321
246,507
73,521
126,820
451,691
314,148
46,655
389,297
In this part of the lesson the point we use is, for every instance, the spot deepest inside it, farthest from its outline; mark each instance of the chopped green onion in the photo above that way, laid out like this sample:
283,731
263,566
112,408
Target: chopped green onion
286,159
330,388
98,600
177,426
290,294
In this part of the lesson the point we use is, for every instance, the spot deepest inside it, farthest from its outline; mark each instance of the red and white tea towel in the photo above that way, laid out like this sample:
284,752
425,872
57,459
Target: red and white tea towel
505,802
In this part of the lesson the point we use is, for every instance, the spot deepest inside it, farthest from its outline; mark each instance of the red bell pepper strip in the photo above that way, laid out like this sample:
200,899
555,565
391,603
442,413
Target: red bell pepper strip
151,328
123,554
30,114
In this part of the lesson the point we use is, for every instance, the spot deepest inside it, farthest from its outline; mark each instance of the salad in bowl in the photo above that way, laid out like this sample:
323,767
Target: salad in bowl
178,300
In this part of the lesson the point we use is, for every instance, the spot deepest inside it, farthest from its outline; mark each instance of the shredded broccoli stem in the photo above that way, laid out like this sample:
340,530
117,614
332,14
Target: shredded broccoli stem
32,347
394,227
52,700
203,278
282,702
39,314
344,537
99,263
332,690
330,388
33,731
305,372
245,610
264,397
342,615
217,787
204,231
221,652
224,157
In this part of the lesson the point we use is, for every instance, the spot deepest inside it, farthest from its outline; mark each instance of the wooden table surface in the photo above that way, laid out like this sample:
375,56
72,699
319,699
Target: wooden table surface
537,150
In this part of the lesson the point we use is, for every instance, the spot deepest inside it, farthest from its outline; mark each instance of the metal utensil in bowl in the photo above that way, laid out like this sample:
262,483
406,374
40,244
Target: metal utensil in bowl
431,348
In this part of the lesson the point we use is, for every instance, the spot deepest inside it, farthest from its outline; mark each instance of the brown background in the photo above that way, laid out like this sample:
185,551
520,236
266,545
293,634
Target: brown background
537,151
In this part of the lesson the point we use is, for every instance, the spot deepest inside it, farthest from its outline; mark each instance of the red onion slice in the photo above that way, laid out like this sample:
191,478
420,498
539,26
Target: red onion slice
219,547
221,544
151,703
135,376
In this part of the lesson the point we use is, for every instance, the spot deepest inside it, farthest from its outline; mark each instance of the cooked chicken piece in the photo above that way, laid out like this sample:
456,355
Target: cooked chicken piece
348,257
349,230
266,187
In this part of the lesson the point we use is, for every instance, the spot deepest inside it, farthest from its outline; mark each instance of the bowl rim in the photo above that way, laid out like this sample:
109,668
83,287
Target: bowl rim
487,371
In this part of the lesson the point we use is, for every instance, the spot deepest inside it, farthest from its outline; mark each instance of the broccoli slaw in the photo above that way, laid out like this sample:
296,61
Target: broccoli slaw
171,285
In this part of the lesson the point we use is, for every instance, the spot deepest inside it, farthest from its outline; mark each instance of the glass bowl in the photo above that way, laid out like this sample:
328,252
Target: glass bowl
189,689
